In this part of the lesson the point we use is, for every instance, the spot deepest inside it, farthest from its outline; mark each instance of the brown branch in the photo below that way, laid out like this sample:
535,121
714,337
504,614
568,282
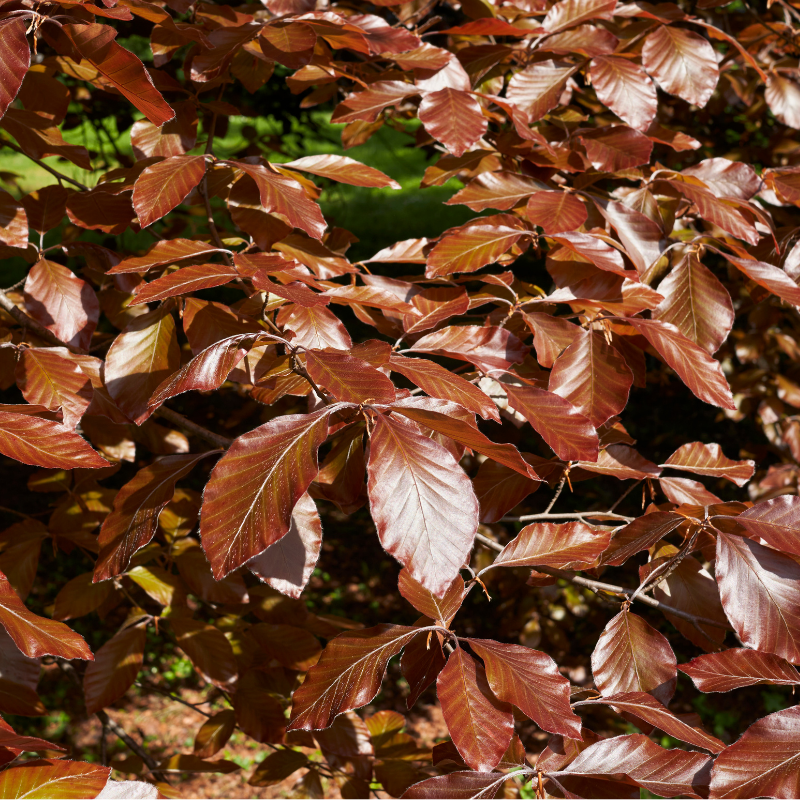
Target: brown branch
580,515
598,586
192,427
60,175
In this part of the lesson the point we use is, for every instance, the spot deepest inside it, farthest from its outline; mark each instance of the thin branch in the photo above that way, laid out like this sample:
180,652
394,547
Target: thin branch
598,586
569,515
192,427
558,491
625,494
60,175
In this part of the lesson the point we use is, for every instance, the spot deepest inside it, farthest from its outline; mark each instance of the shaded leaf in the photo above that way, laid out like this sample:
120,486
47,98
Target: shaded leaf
531,681
639,535
15,58
422,660
115,667
500,488
480,725
348,675
440,609
208,649
738,667
631,656
276,767
458,786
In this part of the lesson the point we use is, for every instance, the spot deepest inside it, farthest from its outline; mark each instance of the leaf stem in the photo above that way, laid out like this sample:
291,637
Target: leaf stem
569,515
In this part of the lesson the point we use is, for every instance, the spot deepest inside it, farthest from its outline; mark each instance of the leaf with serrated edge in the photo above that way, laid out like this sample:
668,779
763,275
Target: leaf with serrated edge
347,378
569,545
531,681
763,762
480,725
164,186
760,592
421,501
348,675
116,665
631,656
44,443
566,430
738,667
708,459
249,498
137,506
683,63
593,376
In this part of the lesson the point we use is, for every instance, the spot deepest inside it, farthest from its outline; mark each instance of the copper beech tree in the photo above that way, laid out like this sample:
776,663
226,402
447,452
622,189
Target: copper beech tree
612,245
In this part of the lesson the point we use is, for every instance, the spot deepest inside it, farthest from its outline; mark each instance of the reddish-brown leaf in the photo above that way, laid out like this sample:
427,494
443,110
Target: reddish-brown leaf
421,501
566,430
422,660
708,459
137,506
167,251
466,434
248,501
62,302
44,443
457,786
454,118
760,593
13,218
639,535
531,681
556,212
196,574
776,522
46,207
43,778
284,197
120,68
487,348
343,170
593,249
369,296
258,713
144,355
37,636
347,378
782,96
19,678
164,186
551,336
738,667
726,214
770,277
685,490
616,147
47,378
474,245
208,370
569,13
701,373
593,376
15,58
697,304
440,609
80,597
434,306
348,675
436,381
623,462
480,725
184,281
631,656
626,89
642,237
115,667
293,647
367,104
208,649
647,708
500,488
537,89
763,762
669,773
569,545
315,328
501,190
683,63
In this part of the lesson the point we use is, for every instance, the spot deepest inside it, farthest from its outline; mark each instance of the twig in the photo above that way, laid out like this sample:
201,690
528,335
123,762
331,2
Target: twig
625,494
212,226
569,515
192,427
60,175
558,491
597,586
